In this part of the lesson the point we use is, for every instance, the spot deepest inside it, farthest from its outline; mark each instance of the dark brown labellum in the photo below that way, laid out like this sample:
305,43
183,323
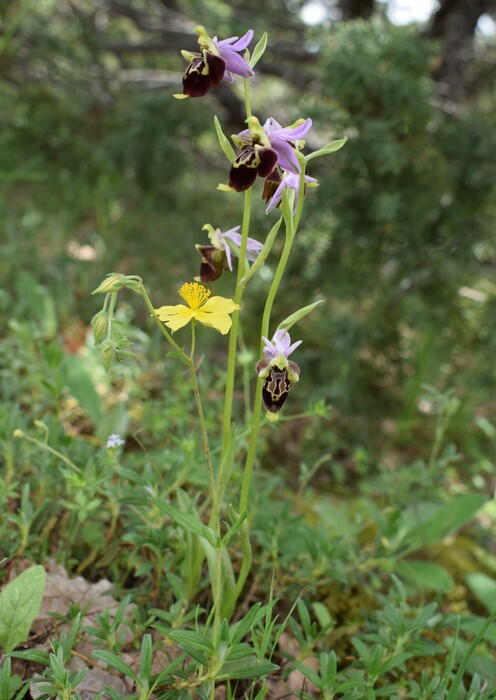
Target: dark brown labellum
250,162
216,68
243,171
204,71
275,389
212,264
268,160
271,184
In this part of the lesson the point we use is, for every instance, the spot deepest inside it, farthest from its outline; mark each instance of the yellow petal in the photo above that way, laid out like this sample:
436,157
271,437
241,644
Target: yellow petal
175,316
216,319
219,304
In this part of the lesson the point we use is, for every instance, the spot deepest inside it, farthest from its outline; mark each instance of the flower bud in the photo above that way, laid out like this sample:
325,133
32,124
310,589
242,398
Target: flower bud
112,282
100,325
107,354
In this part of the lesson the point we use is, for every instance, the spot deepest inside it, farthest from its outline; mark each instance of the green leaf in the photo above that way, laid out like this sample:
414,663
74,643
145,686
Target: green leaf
310,674
193,644
262,256
484,588
453,691
34,655
228,581
259,50
425,575
234,529
191,639
395,660
146,656
330,148
80,385
224,142
240,651
186,520
170,668
246,668
116,662
432,524
243,626
298,315
20,603
328,668
324,617
472,625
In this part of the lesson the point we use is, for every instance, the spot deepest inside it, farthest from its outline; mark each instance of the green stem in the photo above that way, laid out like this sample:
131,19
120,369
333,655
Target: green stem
233,336
111,308
233,344
291,226
161,326
20,434
247,98
204,432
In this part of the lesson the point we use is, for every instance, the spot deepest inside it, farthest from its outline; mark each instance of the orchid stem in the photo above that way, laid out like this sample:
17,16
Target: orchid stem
233,346
291,223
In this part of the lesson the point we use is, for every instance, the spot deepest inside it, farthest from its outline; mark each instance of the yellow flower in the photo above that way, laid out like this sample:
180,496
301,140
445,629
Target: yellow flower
213,311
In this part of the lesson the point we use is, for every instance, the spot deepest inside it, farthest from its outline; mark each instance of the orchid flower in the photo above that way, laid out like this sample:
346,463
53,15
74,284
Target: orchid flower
217,61
264,147
280,346
284,140
292,182
279,373
218,256
211,311
229,49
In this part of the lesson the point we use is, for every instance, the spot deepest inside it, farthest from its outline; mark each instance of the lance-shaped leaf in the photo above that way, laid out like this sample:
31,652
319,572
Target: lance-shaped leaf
186,520
224,142
330,148
262,256
259,50
298,315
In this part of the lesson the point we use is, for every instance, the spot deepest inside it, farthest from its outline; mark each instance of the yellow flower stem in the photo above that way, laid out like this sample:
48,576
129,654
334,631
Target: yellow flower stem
161,326
204,432
110,301
215,514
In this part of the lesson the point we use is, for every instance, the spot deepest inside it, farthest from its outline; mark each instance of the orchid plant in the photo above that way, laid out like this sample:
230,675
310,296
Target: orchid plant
275,154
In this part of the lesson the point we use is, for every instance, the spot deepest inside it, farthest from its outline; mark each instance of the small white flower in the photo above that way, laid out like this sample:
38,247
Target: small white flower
114,441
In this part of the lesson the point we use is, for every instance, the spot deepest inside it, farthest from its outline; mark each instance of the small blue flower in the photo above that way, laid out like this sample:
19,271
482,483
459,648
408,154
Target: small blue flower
114,441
